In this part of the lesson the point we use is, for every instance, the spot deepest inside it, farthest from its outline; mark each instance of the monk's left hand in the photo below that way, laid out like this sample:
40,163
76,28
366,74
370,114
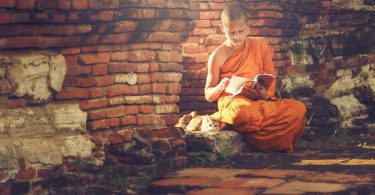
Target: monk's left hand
255,91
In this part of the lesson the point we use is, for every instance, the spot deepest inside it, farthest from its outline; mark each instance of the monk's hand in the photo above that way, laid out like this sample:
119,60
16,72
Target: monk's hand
223,84
255,91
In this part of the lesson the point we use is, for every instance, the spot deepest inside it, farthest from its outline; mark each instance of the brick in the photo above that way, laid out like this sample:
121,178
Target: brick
144,89
122,90
100,4
169,57
193,49
146,109
93,103
126,68
26,174
70,60
116,101
103,124
8,3
131,110
84,70
140,56
128,120
87,82
166,108
119,56
202,23
81,4
104,80
116,38
171,119
71,82
139,99
167,133
93,58
99,69
166,37
15,103
173,88
165,77
139,13
98,92
64,4
5,18
149,119
30,4
176,143
49,173
106,15
159,88
143,78
73,94
209,15
159,99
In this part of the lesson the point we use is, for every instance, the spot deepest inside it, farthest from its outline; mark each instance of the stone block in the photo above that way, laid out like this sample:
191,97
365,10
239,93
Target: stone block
8,161
67,117
223,142
35,75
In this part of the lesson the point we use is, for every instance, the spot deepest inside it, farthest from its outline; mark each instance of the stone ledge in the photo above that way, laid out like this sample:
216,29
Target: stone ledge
228,143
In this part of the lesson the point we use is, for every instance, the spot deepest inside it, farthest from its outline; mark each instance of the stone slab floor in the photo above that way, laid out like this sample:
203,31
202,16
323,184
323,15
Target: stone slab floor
348,170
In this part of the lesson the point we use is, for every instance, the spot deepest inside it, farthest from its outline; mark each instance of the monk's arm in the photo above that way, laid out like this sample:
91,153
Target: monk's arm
269,68
213,90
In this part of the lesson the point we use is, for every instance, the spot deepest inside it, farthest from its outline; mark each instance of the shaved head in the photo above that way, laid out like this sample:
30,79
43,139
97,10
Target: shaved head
233,12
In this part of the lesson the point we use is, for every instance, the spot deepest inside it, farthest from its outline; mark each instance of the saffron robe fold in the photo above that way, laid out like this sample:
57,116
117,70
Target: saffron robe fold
273,126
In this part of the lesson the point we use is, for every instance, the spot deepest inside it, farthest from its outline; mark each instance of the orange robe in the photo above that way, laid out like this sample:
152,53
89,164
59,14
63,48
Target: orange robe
273,126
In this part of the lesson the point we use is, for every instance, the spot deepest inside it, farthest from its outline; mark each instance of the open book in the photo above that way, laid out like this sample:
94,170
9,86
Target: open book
236,83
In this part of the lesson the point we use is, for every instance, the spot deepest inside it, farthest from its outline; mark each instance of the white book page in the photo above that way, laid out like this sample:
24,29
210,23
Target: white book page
235,84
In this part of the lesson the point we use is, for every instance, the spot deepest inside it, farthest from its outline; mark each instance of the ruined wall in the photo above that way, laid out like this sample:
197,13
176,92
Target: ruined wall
323,54
109,105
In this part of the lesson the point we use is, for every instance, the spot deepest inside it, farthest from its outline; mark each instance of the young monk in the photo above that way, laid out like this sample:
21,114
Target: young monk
270,124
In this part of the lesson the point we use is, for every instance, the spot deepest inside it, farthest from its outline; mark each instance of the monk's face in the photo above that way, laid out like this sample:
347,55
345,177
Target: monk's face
235,31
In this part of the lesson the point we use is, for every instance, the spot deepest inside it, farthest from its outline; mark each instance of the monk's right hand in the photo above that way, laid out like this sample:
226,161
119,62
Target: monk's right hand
223,84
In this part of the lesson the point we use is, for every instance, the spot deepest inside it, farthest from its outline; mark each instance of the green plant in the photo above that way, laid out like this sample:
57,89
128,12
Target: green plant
200,158
308,121
299,45
223,154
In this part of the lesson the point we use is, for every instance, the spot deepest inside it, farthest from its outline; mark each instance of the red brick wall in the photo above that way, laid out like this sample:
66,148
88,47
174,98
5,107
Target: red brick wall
100,39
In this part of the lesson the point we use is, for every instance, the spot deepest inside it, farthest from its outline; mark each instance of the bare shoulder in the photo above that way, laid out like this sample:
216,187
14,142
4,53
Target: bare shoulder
218,56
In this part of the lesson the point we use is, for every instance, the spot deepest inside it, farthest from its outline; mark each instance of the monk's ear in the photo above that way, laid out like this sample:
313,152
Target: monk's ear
221,27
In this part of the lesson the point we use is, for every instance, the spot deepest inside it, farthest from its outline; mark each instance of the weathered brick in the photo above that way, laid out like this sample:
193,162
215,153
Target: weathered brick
119,56
73,94
167,133
93,103
144,89
159,88
81,4
171,119
30,4
49,173
87,82
100,4
104,80
149,119
8,3
5,18
139,99
166,108
70,60
100,69
176,143
126,68
139,13
15,103
158,99
72,82
169,57
146,109
103,124
140,56
82,70
143,78
173,88
98,92
193,49
116,38
64,4
26,174
116,101
128,120
122,90
93,58
131,110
